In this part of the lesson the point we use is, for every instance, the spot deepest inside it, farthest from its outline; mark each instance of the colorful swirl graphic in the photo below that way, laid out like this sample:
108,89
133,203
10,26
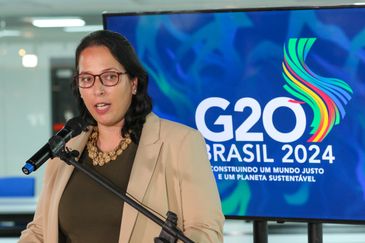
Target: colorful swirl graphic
326,96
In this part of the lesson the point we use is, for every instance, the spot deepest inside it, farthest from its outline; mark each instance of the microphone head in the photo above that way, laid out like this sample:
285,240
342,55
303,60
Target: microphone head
76,125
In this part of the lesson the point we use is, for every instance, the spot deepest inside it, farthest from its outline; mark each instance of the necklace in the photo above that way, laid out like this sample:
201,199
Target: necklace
101,158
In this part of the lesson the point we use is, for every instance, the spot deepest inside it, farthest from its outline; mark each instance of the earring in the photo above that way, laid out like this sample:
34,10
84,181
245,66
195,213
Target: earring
134,91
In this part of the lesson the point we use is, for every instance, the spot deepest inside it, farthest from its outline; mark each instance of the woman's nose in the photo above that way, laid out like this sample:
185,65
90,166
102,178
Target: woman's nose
98,87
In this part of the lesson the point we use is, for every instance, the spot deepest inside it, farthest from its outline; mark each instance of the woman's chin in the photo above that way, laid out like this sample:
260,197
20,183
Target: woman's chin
109,122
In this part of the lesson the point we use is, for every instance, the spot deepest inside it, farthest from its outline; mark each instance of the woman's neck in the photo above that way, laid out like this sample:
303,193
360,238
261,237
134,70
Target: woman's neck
109,137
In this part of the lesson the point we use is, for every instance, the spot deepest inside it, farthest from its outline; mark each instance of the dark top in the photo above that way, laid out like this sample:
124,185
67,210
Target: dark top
87,211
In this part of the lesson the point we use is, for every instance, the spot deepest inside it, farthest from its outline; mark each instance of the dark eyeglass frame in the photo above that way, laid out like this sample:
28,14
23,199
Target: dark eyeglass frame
77,76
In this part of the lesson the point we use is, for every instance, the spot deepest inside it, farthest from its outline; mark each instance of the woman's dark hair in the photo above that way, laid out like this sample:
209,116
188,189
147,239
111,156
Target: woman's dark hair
124,53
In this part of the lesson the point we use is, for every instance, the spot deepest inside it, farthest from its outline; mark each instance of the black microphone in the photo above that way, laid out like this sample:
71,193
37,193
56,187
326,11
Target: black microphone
73,127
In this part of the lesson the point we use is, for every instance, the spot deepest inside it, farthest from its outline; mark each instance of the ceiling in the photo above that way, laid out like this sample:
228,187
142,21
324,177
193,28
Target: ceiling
11,8
16,14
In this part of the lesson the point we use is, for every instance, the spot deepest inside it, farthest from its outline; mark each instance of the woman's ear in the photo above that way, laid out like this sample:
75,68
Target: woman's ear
134,85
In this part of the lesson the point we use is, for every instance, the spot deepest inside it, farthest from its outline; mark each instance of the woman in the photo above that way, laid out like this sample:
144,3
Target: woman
161,164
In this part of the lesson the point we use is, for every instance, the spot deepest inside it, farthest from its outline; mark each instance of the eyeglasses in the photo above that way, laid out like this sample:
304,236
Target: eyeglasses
109,79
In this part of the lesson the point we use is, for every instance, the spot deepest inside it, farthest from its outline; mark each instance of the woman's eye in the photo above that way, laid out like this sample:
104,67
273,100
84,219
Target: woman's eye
111,76
85,79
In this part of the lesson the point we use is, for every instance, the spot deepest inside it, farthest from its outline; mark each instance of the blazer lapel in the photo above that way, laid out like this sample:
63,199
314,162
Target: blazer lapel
143,167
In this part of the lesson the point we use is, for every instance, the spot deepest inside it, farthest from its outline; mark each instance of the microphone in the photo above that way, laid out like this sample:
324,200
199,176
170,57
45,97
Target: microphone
72,128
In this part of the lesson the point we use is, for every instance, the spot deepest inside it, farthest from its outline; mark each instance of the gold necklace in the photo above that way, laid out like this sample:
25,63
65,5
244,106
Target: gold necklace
101,158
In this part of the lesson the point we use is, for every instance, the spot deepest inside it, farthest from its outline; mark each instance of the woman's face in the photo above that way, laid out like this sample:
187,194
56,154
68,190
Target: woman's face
108,105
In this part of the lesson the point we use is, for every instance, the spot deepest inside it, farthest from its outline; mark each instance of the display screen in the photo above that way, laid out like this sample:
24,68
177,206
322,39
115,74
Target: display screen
279,96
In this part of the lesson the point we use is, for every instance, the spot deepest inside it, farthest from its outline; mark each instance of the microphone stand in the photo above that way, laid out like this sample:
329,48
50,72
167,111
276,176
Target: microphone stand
169,233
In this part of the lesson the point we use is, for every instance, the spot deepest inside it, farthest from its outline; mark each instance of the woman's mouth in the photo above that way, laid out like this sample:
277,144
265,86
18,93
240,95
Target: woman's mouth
102,108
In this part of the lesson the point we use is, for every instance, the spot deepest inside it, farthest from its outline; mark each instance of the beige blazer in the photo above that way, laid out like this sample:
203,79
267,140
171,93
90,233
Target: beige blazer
171,171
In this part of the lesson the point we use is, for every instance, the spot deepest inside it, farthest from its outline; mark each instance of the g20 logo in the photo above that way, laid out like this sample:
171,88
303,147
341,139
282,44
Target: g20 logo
326,97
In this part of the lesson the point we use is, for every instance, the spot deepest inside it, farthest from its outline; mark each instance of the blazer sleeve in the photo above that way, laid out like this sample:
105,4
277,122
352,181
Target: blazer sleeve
34,231
201,206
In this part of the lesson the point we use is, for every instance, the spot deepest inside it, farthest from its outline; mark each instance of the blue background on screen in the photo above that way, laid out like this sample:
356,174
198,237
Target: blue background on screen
234,54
